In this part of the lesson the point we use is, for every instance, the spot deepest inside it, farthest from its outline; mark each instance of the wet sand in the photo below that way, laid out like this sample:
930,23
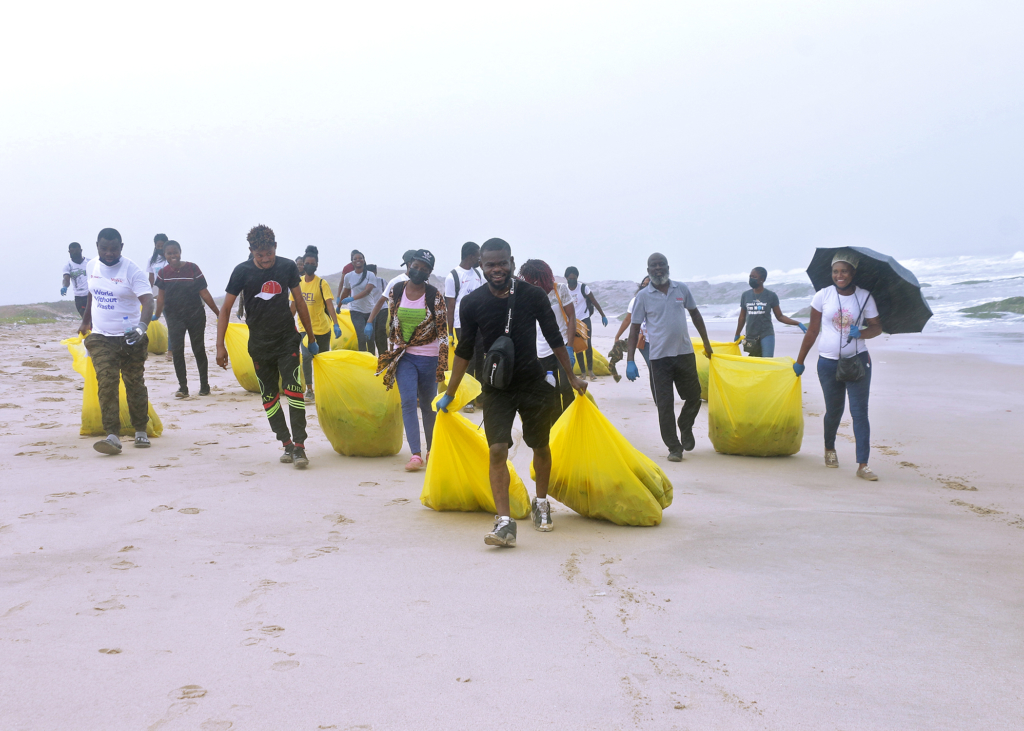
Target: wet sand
203,585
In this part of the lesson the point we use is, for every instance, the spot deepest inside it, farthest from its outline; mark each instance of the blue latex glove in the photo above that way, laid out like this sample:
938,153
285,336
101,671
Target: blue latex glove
442,403
312,347
854,332
155,318
604,320
803,328
368,331
632,372
337,331
134,334
572,358
346,300
798,368
63,291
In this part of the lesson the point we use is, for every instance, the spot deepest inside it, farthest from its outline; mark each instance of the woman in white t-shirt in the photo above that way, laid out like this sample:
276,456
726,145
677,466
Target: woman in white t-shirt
538,273
156,260
846,316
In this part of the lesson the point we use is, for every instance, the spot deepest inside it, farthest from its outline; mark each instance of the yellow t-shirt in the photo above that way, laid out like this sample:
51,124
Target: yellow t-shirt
314,293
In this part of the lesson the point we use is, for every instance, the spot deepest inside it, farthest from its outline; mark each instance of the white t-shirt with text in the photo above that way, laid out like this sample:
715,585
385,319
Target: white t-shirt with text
469,279
837,314
579,296
115,295
77,273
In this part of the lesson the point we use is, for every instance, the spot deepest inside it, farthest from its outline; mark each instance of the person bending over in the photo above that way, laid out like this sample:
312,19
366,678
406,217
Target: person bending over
273,340
117,343
663,305
756,307
487,311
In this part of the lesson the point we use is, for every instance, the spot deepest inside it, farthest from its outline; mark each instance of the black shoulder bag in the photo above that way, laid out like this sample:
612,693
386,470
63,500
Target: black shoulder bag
501,356
850,370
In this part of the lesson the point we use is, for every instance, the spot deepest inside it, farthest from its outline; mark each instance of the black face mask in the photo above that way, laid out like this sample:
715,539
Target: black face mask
754,284
309,269
418,276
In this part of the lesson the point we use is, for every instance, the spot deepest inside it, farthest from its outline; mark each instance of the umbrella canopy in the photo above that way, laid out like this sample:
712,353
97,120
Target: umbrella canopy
901,306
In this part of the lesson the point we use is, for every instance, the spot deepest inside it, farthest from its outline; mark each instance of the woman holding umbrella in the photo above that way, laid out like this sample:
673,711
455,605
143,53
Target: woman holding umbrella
846,315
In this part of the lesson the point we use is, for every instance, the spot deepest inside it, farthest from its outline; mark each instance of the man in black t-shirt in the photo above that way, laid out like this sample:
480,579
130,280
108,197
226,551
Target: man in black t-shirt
485,312
274,342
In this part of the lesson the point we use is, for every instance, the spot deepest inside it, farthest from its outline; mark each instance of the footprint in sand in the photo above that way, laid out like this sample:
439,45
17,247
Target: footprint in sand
124,565
109,605
247,473
285,665
9,406
397,501
188,692
159,508
338,519
36,364
50,398
128,548
190,511
215,725
111,650
956,485
272,630
368,484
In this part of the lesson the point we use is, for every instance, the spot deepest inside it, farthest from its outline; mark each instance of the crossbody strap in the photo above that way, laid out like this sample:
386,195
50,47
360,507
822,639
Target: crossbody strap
860,315
511,305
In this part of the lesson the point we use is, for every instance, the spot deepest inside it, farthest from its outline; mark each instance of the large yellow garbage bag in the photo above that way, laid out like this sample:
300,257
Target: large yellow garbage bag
755,406
468,390
599,474
600,364
92,418
348,340
457,472
359,416
157,333
236,340
717,347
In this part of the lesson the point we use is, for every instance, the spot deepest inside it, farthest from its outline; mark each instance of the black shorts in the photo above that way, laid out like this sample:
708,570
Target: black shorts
533,402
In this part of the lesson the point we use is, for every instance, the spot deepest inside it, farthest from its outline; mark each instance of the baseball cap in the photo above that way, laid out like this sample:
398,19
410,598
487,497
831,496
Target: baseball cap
425,256
408,257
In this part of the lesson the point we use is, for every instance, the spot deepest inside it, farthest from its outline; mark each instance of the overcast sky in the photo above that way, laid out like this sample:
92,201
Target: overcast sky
725,134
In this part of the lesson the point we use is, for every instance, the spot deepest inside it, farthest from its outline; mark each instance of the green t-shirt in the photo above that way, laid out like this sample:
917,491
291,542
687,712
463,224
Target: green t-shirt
410,317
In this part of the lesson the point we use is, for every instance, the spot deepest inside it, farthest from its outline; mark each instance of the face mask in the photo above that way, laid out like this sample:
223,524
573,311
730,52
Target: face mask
309,269
754,284
418,276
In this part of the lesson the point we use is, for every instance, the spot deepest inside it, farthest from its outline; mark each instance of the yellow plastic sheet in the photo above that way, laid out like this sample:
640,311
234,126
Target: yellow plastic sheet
599,474
359,416
600,364
236,340
92,418
717,347
348,340
157,332
457,471
755,406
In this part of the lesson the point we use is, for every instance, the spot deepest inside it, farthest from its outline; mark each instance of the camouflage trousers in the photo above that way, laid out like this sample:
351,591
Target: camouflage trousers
114,361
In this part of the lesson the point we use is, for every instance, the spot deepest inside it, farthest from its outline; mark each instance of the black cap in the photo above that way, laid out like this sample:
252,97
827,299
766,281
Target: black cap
425,256
408,257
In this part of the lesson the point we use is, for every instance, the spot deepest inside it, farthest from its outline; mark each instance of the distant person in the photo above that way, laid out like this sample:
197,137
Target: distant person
486,311
539,274
119,311
320,304
181,292
643,344
300,263
357,287
350,266
844,365
460,281
418,356
756,307
74,274
586,302
663,304
382,300
157,260
273,340
379,341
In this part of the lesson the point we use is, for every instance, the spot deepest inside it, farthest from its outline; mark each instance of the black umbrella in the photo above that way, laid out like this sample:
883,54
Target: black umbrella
901,306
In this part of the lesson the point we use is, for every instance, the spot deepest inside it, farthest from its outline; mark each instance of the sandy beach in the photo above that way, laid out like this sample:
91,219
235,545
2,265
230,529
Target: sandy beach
200,584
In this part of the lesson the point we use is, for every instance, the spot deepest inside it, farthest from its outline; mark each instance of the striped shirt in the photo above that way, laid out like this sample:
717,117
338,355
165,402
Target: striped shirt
181,286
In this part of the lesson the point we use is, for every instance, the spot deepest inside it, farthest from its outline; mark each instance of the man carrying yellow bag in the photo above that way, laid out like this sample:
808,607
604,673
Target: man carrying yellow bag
506,314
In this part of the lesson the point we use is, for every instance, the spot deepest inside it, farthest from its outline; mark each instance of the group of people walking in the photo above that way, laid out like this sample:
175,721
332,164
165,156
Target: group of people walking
520,335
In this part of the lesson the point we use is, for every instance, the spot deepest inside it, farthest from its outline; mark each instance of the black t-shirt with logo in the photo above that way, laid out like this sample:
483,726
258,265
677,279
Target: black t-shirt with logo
182,285
267,311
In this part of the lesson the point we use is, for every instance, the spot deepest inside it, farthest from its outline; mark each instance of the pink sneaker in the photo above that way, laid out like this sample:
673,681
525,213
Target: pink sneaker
415,464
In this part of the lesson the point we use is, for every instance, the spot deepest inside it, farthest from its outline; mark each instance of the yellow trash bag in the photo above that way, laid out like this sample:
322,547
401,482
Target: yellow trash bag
359,416
236,340
157,333
717,348
457,472
92,419
600,364
599,474
755,406
348,340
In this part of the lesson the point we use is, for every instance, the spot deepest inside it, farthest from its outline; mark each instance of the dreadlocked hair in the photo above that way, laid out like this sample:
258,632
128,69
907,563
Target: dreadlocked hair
261,237
537,271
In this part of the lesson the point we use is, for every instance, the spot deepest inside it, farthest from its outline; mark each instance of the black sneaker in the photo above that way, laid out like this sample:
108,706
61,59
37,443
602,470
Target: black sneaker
204,391
504,533
688,441
675,456
288,456
299,458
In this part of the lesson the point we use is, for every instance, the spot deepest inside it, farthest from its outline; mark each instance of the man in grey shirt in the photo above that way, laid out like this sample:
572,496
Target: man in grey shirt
663,304
756,307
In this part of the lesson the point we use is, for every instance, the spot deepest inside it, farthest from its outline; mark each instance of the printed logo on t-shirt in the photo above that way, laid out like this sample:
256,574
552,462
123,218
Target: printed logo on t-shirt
842,319
270,290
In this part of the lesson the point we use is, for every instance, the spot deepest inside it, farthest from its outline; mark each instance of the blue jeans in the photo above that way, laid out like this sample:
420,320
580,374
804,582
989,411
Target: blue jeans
768,346
417,380
835,403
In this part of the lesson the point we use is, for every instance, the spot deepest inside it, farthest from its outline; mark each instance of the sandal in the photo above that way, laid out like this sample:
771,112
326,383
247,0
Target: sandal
142,440
865,473
831,458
